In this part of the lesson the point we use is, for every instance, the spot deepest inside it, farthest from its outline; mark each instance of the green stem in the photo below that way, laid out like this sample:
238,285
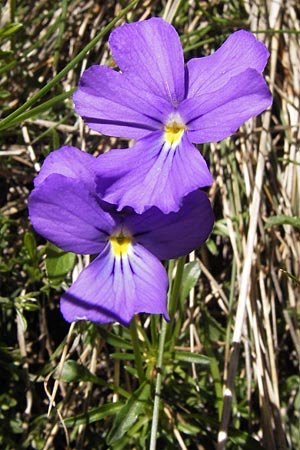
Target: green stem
6,122
158,385
136,350
159,367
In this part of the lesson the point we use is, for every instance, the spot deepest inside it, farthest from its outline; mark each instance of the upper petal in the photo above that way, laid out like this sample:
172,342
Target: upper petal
71,162
215,116
112,289
240,51
148,174
175,234
113,104
66,213
150,53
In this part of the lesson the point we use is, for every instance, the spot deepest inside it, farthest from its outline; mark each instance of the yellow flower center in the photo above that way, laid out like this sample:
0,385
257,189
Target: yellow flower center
120,244
174,132
174,129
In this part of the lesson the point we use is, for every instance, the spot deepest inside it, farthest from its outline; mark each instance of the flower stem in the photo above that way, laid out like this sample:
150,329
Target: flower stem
159,378
159,367
136,350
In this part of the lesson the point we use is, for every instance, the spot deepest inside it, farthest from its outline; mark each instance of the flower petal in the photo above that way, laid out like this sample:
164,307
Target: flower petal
148,174
150,53
215,116
178,233
112,104
240,51
66,213
111,289
71,162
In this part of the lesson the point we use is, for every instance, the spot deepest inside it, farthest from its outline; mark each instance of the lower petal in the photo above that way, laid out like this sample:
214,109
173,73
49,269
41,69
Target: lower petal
114,289
150,174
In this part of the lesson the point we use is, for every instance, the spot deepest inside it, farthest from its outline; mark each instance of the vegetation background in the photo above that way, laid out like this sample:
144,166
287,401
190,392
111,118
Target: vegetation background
81,386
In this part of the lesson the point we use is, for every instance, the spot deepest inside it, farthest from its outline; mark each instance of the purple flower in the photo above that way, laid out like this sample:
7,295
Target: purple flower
167,106
126,277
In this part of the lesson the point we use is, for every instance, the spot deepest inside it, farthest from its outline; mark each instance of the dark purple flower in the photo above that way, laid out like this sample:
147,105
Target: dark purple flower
167,106
127,276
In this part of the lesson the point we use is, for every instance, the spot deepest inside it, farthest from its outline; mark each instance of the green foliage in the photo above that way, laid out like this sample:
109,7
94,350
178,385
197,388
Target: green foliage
58,264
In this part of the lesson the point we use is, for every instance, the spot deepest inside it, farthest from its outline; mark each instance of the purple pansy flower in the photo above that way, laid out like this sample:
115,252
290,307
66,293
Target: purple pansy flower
167,107
127,276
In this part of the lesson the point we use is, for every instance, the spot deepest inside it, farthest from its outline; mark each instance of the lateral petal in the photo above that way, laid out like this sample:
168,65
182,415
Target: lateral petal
213,117
150,53
66,213
111,289
240,51
175,234
148,174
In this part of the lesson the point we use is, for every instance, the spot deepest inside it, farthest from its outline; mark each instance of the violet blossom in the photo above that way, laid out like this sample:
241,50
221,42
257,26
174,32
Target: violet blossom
126,277
166,107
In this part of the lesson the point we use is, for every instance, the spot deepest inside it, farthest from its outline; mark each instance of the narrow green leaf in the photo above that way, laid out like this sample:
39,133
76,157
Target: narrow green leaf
30,245
114,340
9,29
282,219
291,276
94,414
129,414
122,356
14,117
4,94
189,357
220,228
4,54
46,106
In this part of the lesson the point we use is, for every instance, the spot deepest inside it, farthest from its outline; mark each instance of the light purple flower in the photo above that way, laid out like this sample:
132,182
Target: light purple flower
167,106
127,276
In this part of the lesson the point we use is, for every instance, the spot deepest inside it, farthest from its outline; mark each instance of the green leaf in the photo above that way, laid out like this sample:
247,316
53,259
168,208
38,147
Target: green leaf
23,321
212,247
295,279
30,245
114,340
94,414
129,414
282,219
15,116
220,228
191,273
58,262
191,357
4,94
4,54
9,29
